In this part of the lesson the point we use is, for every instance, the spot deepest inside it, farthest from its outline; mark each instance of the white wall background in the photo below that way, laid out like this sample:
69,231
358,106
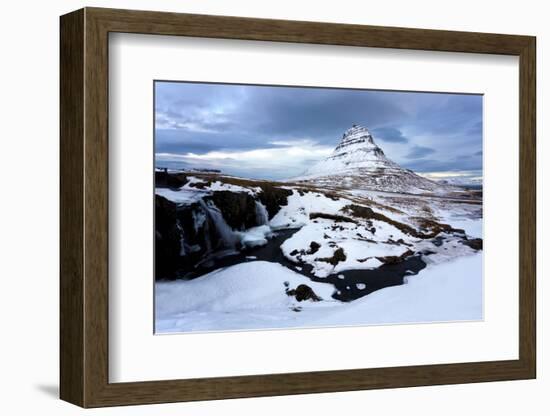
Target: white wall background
29,161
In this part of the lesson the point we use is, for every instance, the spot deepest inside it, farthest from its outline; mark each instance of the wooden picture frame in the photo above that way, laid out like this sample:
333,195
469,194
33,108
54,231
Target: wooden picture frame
84,207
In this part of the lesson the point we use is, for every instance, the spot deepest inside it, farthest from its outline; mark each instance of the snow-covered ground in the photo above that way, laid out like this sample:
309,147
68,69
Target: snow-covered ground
363,242
253,296
248,295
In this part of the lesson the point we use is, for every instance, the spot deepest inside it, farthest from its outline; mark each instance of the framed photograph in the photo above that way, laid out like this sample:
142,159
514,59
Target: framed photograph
255,207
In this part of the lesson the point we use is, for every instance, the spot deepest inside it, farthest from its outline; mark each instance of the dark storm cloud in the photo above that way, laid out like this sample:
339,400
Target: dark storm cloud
389,134
183,141
217,123
459,163
450,114
319,113
270,112
418,152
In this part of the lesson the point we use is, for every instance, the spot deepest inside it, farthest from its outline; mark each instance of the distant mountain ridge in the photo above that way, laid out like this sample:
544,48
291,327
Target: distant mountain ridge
357,162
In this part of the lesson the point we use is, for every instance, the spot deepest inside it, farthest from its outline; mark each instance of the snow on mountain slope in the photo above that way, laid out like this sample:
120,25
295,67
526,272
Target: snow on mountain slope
359,163
356,150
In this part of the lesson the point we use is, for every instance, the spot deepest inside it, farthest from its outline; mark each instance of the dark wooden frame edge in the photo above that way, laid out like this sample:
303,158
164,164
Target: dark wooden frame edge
84,207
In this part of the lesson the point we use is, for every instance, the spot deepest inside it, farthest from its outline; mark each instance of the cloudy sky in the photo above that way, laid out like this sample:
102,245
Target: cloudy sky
277,132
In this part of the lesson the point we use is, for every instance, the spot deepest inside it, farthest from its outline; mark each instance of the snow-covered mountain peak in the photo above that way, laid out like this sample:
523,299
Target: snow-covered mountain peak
356,134
357,162
356,149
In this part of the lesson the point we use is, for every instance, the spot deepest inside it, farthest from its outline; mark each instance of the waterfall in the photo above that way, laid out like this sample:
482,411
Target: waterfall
182,238
262,216
227,235
207,241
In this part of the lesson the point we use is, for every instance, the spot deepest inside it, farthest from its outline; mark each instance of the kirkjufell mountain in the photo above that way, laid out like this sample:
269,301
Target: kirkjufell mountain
359,163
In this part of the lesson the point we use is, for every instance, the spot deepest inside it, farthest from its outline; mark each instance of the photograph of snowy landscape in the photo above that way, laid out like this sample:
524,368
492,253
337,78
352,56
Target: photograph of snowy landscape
298,207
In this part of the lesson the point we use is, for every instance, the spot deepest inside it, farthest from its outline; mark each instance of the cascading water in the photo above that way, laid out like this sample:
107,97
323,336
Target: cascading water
183,252
262,216
227,236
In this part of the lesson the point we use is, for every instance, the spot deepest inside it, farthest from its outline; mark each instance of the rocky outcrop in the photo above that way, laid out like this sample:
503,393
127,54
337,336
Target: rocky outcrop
187,235
427,228
167,238
332,217
395,259
238,208
183,235
314,247
337,257
273,198
163,179
473,243
431,228
303,292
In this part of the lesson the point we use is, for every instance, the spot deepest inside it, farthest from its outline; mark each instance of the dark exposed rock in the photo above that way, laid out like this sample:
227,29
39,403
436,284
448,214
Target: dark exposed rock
335,218
184,234
273,198
238,208
432,228
399,242
368,214
475,243
363,238
395,259
428,228
170,180
337,257
313,247
332,196
200,185
167,238
303,292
